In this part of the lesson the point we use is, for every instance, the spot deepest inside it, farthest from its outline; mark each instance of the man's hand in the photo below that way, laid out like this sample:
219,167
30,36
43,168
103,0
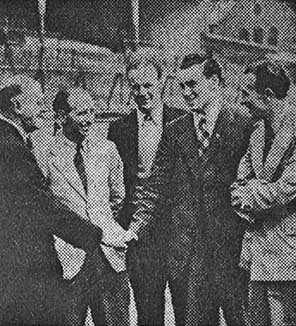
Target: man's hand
114,238
130,235
241,199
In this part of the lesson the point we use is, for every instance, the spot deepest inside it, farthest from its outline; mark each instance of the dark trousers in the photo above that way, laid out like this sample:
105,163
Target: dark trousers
34,301
149,276
215,281
102,289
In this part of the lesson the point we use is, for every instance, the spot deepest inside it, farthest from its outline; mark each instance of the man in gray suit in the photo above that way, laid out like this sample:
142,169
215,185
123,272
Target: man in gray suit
195,165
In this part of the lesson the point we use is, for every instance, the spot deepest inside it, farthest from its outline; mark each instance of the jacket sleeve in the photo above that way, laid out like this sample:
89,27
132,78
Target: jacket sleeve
116,184
151,192
25,188
264,195
245,169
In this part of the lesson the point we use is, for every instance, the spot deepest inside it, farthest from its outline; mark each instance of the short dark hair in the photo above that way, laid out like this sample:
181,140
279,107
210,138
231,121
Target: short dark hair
211,67
60,103
135,62
271,76
6,95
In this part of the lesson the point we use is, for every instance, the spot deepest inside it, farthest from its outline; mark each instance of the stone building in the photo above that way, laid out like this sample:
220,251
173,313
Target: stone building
243,31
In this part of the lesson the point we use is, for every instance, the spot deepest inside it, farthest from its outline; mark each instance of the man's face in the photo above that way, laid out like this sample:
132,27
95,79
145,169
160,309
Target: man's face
31,108
82,114
257,104
145,86
197,90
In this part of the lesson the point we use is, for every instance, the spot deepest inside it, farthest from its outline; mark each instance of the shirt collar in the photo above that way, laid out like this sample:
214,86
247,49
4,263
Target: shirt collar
211,115
64,141
156,114
18,127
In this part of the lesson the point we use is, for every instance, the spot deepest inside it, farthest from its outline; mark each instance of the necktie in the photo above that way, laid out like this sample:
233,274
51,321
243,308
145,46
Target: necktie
79,165
147,114
29,143
203,134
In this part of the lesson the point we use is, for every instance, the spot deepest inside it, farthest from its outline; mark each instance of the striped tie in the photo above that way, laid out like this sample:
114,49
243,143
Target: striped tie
204,135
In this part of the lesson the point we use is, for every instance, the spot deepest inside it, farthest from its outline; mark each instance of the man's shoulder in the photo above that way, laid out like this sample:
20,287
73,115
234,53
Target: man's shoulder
172,113
9,135
121,124
180,124
236,112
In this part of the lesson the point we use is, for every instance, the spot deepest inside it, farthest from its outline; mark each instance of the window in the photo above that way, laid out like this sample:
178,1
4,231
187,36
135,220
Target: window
244,35
257,9
258,35
273,36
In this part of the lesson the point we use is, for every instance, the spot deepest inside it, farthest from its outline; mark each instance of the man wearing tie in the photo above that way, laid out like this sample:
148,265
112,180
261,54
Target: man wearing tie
85,172
137,137
32,289
194,167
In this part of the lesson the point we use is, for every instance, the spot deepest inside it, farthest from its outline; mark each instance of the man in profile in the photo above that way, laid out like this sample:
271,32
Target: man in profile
195,165
266,194
32,290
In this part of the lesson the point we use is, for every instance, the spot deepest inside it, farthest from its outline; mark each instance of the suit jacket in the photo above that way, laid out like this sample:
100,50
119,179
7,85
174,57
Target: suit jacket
29,218
124,133
269,249
105,190
196,190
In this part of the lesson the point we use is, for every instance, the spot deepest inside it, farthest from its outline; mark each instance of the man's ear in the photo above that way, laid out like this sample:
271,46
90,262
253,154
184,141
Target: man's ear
214,81
16,104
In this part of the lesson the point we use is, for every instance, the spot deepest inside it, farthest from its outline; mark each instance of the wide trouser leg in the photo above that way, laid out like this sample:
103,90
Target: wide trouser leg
148,279
110,303
178,287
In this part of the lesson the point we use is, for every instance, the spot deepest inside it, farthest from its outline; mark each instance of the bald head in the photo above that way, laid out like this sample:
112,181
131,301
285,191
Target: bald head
21,97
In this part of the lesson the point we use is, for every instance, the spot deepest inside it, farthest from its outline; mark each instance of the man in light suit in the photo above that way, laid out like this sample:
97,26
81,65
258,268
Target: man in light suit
137,136
32,289
266,196
85,173
195,165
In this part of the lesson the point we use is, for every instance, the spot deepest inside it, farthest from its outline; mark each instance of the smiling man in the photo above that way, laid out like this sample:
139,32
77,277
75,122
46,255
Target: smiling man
137,137
85,172
266,194
195,165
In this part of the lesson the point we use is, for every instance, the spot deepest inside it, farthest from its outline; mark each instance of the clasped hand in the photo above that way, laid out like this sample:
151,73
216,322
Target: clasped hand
118,237
241,198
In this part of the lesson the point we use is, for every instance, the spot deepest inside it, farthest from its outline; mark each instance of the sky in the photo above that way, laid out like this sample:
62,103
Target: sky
102,22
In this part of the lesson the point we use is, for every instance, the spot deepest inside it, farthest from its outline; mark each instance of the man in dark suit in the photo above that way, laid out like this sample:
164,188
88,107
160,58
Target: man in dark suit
194,167
32,290
137,137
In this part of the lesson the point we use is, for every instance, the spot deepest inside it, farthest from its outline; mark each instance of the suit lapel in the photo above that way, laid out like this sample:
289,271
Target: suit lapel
131,133
278,149
218,135
189,144
60,155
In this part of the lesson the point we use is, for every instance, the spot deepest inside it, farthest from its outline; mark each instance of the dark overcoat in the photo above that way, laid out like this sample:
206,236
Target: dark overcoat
31,283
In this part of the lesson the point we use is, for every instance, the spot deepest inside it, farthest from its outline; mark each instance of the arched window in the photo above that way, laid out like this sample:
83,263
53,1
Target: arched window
273,36
258,35
244,35
257,9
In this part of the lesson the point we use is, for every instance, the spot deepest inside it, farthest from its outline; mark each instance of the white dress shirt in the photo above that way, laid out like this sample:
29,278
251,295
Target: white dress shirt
211,118
149,135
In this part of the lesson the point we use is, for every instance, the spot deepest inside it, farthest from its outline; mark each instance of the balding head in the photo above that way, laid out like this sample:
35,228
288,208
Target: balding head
21,96
78,110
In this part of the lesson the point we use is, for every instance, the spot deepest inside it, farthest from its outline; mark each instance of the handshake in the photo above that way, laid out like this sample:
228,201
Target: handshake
118,237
